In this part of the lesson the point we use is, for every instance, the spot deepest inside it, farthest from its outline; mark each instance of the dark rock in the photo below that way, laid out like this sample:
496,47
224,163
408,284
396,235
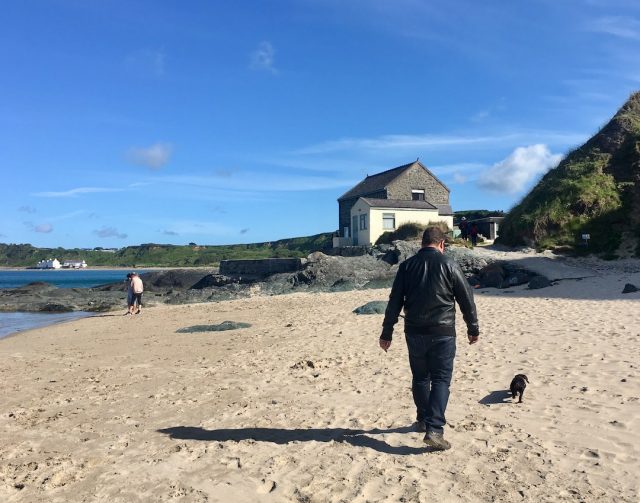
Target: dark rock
516,279
629,288
373,307
50,307
539,282
492,276
342,285
211,280
379,283
222,327
468,260
259,267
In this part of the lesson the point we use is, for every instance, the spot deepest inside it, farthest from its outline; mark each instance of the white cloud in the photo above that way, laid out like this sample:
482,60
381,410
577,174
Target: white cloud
109,232
263,58
147,62
429,141
523,165
42,228
76,192
260,182
459,178
154,156
617,26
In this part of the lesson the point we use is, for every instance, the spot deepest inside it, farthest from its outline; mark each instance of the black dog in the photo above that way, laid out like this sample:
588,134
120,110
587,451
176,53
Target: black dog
518,384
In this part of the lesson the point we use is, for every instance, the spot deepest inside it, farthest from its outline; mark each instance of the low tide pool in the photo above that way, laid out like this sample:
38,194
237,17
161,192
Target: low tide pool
11,323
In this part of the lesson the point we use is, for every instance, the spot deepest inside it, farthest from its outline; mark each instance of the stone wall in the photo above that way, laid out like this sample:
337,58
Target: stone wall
418,178
259,267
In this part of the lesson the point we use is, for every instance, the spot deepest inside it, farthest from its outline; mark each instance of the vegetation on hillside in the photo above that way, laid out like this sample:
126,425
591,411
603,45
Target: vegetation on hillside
595,190
159,255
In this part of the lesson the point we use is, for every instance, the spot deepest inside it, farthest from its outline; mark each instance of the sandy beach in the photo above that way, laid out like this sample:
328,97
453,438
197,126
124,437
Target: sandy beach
303,406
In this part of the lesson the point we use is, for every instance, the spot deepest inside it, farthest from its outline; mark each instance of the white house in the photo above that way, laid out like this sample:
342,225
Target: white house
384,201
49,264
74,264
373,217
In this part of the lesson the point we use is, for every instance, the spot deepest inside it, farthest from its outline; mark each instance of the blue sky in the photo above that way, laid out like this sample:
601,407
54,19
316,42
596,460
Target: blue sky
234,122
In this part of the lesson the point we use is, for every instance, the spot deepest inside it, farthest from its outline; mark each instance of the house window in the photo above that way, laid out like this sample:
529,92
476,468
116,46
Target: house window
363,222
388,221
417,194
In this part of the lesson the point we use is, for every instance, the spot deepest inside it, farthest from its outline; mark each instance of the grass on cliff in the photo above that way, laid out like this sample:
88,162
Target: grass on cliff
159,255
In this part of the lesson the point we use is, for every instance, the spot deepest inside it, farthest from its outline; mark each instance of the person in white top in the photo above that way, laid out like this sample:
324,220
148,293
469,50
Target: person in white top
138,288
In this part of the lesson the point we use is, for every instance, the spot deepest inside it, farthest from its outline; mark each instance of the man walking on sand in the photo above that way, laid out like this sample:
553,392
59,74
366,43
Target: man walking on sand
138,288
427,285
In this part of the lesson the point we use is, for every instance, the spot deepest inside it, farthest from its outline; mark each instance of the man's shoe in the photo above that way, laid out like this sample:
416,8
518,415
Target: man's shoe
436,441
420,426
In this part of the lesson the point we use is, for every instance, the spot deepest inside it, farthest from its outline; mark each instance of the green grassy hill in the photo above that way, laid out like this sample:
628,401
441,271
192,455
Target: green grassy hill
158,255
595,190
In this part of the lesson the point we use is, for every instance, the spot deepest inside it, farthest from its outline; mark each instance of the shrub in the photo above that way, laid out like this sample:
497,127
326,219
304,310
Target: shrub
410,231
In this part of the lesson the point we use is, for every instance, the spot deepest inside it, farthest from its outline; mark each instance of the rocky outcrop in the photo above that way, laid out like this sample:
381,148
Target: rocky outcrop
259,268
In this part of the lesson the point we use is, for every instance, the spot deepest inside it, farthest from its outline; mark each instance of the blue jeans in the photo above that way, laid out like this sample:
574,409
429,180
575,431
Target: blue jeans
431,359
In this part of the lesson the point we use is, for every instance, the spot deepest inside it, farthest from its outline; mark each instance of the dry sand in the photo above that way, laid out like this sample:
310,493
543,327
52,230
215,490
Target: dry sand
115,408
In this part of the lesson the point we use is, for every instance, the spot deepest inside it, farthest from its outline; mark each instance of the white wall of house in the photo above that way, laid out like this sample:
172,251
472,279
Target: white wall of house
375,220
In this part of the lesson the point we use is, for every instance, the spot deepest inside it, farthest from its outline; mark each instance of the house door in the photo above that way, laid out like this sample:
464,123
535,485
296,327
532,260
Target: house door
354,230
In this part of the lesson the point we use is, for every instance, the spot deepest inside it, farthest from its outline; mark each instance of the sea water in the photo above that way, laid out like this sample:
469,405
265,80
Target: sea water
62,278
10,323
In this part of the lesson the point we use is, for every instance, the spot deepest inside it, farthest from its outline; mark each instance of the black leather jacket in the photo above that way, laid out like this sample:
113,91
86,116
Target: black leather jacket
427,286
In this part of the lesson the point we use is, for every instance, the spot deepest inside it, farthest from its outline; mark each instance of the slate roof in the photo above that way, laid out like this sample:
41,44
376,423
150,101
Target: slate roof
375,183
399,203
379,181
444,209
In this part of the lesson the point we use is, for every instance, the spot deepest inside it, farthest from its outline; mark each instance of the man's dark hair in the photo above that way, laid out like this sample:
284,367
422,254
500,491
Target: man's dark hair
432,236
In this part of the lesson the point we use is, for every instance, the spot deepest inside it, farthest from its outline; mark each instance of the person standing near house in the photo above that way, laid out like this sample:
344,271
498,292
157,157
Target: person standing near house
473,234
138,288
427,285
464,230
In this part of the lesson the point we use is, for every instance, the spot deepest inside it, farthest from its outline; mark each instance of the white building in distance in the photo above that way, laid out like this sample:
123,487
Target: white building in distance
49,264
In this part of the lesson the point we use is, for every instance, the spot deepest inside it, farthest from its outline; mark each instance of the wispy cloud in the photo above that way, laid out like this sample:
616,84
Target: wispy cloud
76,192
459,178
260,182
523,165
192,227
169,233
155,156
45,228
263,58
109,232
27,209
147,62
617,26
430,141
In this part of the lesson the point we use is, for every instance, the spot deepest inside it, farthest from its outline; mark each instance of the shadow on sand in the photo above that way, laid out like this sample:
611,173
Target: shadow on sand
358,438
495,397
